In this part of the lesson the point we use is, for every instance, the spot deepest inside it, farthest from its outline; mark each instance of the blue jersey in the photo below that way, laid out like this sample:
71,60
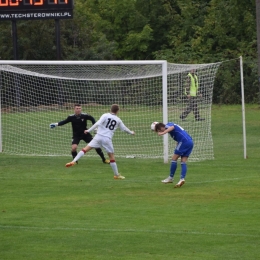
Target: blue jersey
178,133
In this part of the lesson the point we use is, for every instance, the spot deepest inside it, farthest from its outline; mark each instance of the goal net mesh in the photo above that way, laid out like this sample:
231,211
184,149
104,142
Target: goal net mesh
33,96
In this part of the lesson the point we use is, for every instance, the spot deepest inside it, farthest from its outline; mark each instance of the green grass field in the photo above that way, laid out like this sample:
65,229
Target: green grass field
50,212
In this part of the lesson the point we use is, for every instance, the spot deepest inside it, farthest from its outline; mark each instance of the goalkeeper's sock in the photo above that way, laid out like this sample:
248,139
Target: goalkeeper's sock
173,168
74,154
79,155
114,167
101,154
183,170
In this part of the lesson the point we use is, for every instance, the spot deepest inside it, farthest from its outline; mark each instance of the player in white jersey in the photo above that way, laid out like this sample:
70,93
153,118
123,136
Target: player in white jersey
107,125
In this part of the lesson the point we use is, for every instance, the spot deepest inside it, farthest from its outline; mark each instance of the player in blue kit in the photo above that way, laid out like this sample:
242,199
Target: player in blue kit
183,149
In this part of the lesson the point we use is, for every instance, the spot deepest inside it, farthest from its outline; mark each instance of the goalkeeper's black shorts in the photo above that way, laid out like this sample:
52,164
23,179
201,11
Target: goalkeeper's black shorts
85,137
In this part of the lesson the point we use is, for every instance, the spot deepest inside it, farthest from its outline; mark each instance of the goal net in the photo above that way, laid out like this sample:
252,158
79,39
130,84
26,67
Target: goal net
35,94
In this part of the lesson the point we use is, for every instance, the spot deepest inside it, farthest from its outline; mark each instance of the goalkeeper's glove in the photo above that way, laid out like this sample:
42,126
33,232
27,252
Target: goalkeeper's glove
53,125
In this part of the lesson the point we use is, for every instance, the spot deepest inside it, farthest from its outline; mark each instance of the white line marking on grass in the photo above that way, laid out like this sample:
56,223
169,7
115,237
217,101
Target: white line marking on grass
129,180
127,231
22,178
221,180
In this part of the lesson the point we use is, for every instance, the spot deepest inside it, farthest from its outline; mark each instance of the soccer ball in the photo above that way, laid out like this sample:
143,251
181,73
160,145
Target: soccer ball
153,125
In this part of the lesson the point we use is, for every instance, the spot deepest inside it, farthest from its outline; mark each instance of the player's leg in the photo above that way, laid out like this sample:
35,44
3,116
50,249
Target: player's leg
88,138
93,144
79,155
186,150
113,164
108,145
173,168
74,146
101,154
183,172
184,160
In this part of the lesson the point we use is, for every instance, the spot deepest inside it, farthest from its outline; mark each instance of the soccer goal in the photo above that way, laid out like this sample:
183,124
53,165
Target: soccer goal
37,93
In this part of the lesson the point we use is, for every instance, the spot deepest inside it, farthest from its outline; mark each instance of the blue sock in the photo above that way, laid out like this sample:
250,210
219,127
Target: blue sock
173,168
183,170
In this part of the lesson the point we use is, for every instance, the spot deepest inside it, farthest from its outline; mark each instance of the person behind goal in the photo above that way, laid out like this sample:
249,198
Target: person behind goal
192,94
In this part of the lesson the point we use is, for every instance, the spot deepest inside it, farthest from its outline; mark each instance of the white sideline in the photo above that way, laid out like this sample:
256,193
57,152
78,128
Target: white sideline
128,230
134,181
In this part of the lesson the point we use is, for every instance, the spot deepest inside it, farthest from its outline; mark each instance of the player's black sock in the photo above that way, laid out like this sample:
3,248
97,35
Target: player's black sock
100,153
74,154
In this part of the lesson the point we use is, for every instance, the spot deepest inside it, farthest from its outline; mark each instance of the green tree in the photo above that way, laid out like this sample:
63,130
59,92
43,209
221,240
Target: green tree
6,44
122,23
188,16
229,31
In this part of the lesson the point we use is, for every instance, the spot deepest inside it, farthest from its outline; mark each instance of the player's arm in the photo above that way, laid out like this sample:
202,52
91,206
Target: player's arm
125,129
91,118
167,130
95,125
63,122
93,121
92,127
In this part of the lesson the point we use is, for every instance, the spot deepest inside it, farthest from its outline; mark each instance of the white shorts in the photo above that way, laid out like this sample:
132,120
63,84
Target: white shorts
102,141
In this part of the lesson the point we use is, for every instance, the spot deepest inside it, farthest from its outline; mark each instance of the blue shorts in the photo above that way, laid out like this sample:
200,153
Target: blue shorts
184,148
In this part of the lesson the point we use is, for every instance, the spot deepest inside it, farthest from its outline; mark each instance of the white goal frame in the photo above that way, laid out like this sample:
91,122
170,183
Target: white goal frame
166,84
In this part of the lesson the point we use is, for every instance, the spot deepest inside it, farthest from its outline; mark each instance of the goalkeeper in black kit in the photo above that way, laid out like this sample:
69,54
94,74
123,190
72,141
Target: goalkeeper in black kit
79,124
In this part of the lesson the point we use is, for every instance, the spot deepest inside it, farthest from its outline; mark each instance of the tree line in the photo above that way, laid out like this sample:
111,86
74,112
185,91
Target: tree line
179,31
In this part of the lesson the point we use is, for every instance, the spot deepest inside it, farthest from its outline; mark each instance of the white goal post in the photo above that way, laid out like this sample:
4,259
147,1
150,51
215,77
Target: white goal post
37,93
